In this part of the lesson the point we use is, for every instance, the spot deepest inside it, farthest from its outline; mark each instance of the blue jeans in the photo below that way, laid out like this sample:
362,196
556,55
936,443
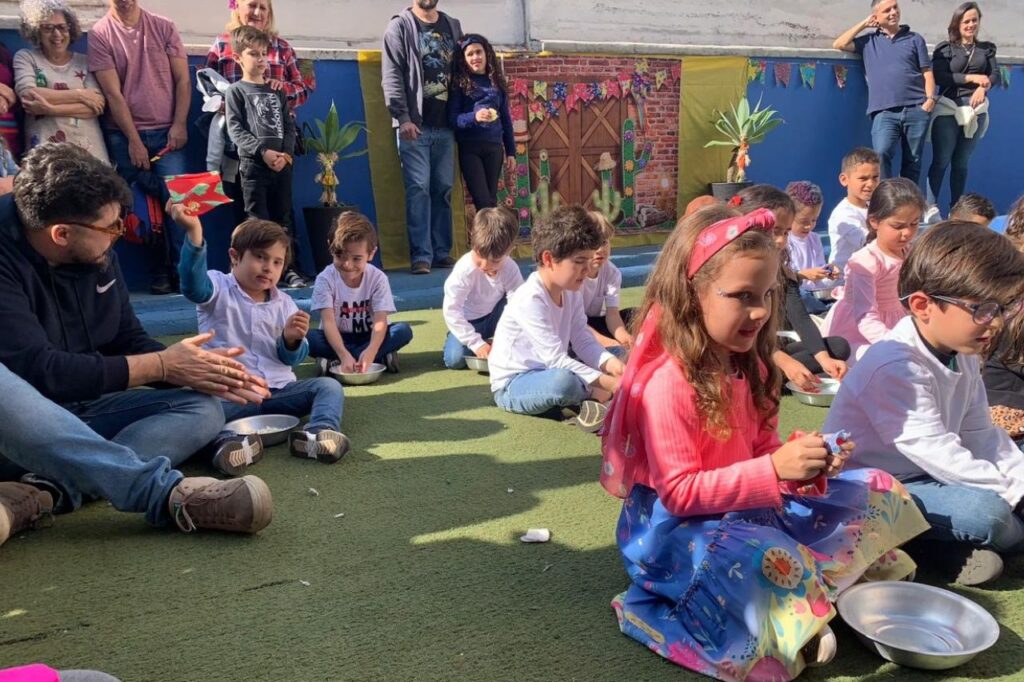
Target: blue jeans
540,391
399,335
906,129
42,437
164,253
952,150
322,399
812,304
455,353
428,172
960,513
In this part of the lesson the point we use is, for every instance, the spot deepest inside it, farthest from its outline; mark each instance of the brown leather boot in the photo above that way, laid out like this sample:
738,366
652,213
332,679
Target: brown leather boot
22,506
240,505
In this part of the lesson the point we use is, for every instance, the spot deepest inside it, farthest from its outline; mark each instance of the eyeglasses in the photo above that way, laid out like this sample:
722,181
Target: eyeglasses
54,28
116,229
984,313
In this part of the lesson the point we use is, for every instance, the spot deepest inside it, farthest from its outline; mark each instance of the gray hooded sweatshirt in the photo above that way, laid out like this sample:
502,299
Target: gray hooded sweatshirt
402,67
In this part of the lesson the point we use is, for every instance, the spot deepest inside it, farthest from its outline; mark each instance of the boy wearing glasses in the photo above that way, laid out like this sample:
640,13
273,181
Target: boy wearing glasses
354,300
916,404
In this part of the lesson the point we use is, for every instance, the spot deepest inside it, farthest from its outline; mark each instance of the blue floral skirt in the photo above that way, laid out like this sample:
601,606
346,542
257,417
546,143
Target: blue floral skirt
737,596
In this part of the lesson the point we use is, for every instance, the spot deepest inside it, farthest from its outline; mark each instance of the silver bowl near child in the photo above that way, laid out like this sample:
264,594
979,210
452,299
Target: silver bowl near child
477,364
359,378
821,396
918,625
273,429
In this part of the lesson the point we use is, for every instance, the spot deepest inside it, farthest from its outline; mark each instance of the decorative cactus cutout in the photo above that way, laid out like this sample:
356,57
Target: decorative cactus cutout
632,165
518,197
607,200
544,201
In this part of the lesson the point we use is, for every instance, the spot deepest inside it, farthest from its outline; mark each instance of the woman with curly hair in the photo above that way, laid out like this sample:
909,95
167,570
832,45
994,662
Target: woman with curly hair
61,98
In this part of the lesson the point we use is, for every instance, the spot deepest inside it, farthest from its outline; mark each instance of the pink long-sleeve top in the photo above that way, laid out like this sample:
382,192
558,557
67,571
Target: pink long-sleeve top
693,473
869,305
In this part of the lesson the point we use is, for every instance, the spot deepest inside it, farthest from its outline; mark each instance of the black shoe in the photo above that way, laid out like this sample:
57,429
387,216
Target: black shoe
293,280
591,416
161,286
445,263
391,362
235,453
420,268
957,562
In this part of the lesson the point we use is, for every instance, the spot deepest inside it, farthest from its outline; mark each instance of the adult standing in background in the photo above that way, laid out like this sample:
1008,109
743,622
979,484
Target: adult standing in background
419,46
964,71
282,74
140,63
61,99
901,85
9,128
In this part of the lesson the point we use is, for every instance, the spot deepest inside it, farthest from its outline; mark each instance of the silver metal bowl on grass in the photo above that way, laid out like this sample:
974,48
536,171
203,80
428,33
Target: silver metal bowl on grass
919,626
359,378
273,429
477,364
821,397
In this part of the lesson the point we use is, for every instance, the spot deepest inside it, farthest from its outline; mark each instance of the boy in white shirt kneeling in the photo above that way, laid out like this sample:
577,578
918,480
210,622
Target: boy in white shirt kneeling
917,407
476,292
531,369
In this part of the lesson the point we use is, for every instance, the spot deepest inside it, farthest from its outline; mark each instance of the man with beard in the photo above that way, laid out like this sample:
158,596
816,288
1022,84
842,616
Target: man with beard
73,337
419,45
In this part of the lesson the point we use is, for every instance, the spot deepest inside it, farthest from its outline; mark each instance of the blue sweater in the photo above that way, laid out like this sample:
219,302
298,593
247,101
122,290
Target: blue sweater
462,110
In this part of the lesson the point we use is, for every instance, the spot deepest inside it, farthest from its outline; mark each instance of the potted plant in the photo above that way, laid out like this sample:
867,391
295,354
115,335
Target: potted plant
329,142
741,127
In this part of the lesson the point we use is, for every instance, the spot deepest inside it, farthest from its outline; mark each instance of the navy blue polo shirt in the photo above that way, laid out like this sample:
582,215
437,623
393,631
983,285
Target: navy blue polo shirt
894,68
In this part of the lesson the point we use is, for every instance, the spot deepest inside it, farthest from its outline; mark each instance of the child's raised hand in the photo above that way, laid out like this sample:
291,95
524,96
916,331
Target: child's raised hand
296,327
800,458
483,352
186,220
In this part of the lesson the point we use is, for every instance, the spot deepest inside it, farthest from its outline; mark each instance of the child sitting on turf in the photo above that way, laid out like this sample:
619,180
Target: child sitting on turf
806,253
245,309
868,304
476,292
916,404
733,567
600,290
848,224
801,361
531,370
354,299
973,208
1004,368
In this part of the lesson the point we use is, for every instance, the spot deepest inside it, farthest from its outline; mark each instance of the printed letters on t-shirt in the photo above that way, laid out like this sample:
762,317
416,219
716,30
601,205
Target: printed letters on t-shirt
361,314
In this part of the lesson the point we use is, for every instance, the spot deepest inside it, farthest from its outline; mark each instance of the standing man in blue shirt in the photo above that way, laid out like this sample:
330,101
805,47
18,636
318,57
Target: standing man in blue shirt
901,85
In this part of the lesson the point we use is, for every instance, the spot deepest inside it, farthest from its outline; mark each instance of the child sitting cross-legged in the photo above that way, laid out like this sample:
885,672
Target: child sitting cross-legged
531,369
600,290
245,309
806,253
917,407
476,292
736,545
1004,368
354,299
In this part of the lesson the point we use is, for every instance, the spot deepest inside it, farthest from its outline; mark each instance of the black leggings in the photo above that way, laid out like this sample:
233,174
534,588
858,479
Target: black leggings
837,347
481,164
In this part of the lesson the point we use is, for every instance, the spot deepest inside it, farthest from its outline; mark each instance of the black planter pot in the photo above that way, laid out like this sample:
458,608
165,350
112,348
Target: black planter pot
320,228
723,191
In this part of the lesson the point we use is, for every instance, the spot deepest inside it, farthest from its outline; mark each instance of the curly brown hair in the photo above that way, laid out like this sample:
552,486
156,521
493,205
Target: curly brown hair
681,328
463,74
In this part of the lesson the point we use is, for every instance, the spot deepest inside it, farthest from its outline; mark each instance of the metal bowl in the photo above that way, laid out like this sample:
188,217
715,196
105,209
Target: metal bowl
359,378
273,429
918,625
478,364
821,398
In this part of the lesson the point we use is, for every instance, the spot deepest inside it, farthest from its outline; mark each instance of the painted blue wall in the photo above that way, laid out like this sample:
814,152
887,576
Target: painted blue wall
822,124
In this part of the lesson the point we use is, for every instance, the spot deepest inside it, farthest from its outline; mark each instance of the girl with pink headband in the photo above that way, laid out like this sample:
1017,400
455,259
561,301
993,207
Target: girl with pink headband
736,545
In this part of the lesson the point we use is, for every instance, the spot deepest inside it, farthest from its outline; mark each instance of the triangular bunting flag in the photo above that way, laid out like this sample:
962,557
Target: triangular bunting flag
756,70
842,72
676,70
1004,76
540,90
659,79
807,73
520,88
783,71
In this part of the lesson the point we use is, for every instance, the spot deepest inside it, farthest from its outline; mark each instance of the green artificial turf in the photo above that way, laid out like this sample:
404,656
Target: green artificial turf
423,578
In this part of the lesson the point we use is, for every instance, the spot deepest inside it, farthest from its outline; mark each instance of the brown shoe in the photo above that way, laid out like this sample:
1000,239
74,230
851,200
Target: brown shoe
22,506
420,268
241,505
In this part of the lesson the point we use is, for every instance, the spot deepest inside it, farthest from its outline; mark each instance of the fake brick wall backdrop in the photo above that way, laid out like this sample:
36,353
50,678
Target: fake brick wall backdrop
656,185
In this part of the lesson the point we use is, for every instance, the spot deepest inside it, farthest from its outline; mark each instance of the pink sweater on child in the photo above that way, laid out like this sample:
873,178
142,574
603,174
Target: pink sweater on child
693,473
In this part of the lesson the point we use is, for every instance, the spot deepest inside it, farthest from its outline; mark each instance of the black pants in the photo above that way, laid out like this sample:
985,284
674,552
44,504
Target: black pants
268,195
600,323
481,164
837,347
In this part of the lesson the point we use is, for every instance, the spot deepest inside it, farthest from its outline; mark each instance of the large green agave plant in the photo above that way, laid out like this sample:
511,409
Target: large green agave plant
742,127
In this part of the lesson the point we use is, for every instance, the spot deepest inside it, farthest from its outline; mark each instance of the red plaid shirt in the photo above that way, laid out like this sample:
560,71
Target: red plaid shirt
281,66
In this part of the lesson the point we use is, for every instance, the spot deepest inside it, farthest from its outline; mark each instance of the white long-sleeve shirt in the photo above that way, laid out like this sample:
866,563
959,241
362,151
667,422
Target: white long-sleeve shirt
535,333
910,414
847,232
469,294
602,292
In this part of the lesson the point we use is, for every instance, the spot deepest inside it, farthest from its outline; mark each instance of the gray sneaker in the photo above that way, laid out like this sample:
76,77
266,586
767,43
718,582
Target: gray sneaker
980,566
240,505
591,416
326,446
